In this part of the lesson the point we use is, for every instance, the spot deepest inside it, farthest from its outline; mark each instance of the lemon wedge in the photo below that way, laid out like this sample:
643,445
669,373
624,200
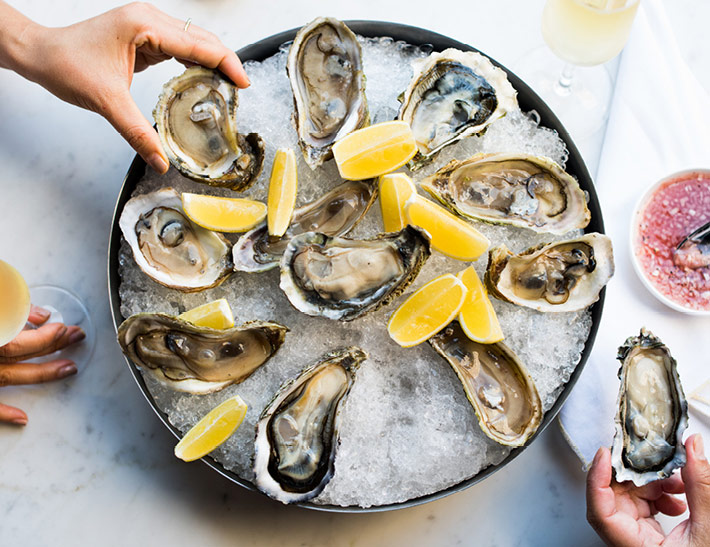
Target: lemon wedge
449,234
282,192
427,311
212,430
223,214
477,317
214,315
375,150
395,190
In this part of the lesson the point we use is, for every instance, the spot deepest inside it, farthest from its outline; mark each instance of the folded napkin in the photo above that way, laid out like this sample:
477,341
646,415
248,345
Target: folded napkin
659,123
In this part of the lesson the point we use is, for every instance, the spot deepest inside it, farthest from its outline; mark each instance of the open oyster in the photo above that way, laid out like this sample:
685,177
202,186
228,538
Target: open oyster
554,277
297,434
496,383
453,94
333,214
325,70
652,412
169,247
195,359
527,191
196,117
343,279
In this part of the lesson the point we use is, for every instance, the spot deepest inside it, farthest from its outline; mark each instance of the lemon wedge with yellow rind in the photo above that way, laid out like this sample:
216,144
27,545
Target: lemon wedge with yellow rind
223,214
282,192
214,315
427,311
395,190
375,150
449,234
477,317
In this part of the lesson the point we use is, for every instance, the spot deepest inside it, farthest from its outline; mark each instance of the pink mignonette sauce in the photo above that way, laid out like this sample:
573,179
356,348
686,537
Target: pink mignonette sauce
676,208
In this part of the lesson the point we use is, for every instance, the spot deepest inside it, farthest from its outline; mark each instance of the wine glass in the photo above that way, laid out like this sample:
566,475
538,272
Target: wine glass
584,33
64,306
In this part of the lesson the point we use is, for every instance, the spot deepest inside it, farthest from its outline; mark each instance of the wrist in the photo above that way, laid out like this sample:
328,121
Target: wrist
18,39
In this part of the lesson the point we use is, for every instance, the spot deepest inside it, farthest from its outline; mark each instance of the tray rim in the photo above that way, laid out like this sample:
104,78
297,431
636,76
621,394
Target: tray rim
527,99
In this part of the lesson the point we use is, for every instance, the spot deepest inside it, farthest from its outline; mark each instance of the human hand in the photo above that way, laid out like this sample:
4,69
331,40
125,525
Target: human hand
91,64
31,343
623,514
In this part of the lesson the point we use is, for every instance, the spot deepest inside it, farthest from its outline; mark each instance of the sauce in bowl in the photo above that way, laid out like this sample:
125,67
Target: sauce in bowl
671,210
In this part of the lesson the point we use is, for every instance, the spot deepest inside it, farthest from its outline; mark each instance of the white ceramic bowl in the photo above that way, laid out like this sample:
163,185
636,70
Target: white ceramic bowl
633,233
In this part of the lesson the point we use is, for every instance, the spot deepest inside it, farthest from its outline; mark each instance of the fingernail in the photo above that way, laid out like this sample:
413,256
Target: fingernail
44,314
597,456
66,370
698,448
76,336
19,421
158,164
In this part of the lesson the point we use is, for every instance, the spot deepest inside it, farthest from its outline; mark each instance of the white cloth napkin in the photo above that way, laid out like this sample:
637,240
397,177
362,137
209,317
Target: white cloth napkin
659,123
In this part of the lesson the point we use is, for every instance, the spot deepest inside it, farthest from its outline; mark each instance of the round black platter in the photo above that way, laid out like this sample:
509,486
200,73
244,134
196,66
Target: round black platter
527,99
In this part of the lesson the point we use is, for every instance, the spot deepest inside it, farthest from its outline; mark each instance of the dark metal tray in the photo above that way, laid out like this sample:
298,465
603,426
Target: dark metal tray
527,99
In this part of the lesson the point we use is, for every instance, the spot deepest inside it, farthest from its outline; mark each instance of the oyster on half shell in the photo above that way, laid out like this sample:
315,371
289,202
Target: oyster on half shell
496,383
195,359
196,117
652,412
169,247
298,434
325,70
344,279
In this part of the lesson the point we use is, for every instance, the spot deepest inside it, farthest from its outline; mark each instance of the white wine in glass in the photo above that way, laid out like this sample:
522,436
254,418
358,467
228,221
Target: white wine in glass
14,303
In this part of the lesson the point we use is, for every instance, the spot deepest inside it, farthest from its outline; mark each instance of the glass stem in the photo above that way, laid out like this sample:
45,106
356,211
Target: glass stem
563,87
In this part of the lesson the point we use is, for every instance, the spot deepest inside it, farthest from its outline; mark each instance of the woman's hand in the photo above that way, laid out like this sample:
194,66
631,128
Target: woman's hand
623,514
91,64
30,343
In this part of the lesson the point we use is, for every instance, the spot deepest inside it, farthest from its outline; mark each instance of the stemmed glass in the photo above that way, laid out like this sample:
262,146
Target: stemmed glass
583,33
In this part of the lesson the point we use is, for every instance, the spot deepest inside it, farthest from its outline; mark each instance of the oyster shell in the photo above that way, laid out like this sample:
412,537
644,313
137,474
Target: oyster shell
195,359
325,70
297,434
555,277
652,412
196,117
452,95
343,279
169,247
496,383
333,214
527,191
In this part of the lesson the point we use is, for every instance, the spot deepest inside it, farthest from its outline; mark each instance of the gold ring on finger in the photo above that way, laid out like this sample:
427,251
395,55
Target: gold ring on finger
187,24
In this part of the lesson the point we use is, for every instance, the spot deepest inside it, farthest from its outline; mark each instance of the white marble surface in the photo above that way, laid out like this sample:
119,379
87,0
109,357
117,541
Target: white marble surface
94,465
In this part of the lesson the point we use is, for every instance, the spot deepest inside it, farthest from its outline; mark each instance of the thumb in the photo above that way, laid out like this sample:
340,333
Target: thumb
696,476
128,120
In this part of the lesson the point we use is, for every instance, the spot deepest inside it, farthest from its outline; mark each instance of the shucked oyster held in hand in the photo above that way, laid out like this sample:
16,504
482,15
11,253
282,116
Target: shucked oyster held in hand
652,412
195,359
325,70
196,117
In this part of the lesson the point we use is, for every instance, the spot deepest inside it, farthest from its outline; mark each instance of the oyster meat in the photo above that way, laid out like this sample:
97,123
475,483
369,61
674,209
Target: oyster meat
169,247
195,359
652,412
325,70
297,435
333,214
521,190
343,279
196,117
555,277
496,383
452,95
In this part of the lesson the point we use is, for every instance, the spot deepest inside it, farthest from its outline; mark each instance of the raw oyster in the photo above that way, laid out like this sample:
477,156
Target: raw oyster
453,94
297,434
196,117
554,277
345,278
169,247
333,214
496,383
195,359
527,191
325,70
652,412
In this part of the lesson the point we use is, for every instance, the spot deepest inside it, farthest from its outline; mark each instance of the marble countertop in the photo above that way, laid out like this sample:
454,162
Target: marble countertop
95,464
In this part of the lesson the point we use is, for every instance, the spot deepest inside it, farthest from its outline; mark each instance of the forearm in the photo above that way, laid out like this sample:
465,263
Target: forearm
16,39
